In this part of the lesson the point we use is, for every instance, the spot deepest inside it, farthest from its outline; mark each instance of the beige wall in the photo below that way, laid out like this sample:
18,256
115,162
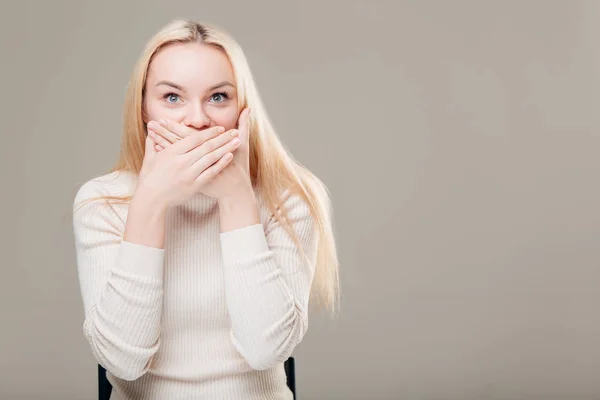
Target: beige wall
459,140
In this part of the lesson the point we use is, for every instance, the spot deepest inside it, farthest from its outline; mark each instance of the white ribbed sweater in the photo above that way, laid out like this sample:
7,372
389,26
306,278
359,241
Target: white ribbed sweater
211,316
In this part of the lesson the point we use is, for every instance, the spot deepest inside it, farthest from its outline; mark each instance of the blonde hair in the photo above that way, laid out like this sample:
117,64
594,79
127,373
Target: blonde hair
273,170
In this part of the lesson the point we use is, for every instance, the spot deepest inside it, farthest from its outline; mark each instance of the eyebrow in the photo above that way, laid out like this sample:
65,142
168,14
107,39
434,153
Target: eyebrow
182,89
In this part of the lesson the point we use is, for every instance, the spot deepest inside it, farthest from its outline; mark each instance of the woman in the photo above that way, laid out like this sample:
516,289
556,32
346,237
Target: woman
198,252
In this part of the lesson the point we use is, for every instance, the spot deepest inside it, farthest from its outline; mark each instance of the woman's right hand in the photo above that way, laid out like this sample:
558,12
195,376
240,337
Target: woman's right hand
177,173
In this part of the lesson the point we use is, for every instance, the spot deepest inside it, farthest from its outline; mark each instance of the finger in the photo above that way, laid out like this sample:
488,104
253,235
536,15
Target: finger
159,140
191,142
214,169
243,123
214,156
149,148
212,145
163,132
178,129
158,147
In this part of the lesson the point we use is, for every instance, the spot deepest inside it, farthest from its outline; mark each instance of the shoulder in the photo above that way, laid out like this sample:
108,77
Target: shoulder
294,203
289,205
90,207
117,183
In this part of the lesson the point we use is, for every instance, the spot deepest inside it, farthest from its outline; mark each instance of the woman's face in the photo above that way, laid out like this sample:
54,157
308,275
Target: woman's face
192,84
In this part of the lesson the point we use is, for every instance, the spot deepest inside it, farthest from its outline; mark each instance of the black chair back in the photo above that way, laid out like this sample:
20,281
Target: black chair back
105,388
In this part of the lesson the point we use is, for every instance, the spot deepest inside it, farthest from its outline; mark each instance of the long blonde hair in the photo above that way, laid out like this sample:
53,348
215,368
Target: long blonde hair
273,170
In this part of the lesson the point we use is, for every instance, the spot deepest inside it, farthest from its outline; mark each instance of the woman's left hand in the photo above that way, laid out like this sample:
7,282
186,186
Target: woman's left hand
233,179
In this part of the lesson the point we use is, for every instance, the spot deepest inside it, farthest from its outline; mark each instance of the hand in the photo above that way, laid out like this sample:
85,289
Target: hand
241,157
187,167
231,180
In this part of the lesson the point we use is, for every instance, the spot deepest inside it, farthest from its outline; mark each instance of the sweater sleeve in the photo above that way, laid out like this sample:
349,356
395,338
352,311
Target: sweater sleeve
268,284
121,287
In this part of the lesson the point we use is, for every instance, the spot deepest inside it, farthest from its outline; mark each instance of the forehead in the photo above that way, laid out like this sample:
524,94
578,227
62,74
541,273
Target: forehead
192,65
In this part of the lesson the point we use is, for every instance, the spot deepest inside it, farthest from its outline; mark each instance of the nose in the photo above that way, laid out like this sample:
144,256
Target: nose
196,118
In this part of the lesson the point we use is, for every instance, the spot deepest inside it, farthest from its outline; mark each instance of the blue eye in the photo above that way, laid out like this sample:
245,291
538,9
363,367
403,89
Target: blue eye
170,96
223,95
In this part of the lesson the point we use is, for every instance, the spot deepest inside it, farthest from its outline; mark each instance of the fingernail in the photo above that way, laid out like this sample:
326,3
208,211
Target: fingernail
152,125
235,142
234,132
162,122
220,129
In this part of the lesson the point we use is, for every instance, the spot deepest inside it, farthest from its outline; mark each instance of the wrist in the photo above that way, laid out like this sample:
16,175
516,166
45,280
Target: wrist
146,221
242,194
149,201
238,210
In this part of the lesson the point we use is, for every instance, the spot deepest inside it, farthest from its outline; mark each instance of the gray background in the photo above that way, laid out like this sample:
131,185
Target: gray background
460,143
